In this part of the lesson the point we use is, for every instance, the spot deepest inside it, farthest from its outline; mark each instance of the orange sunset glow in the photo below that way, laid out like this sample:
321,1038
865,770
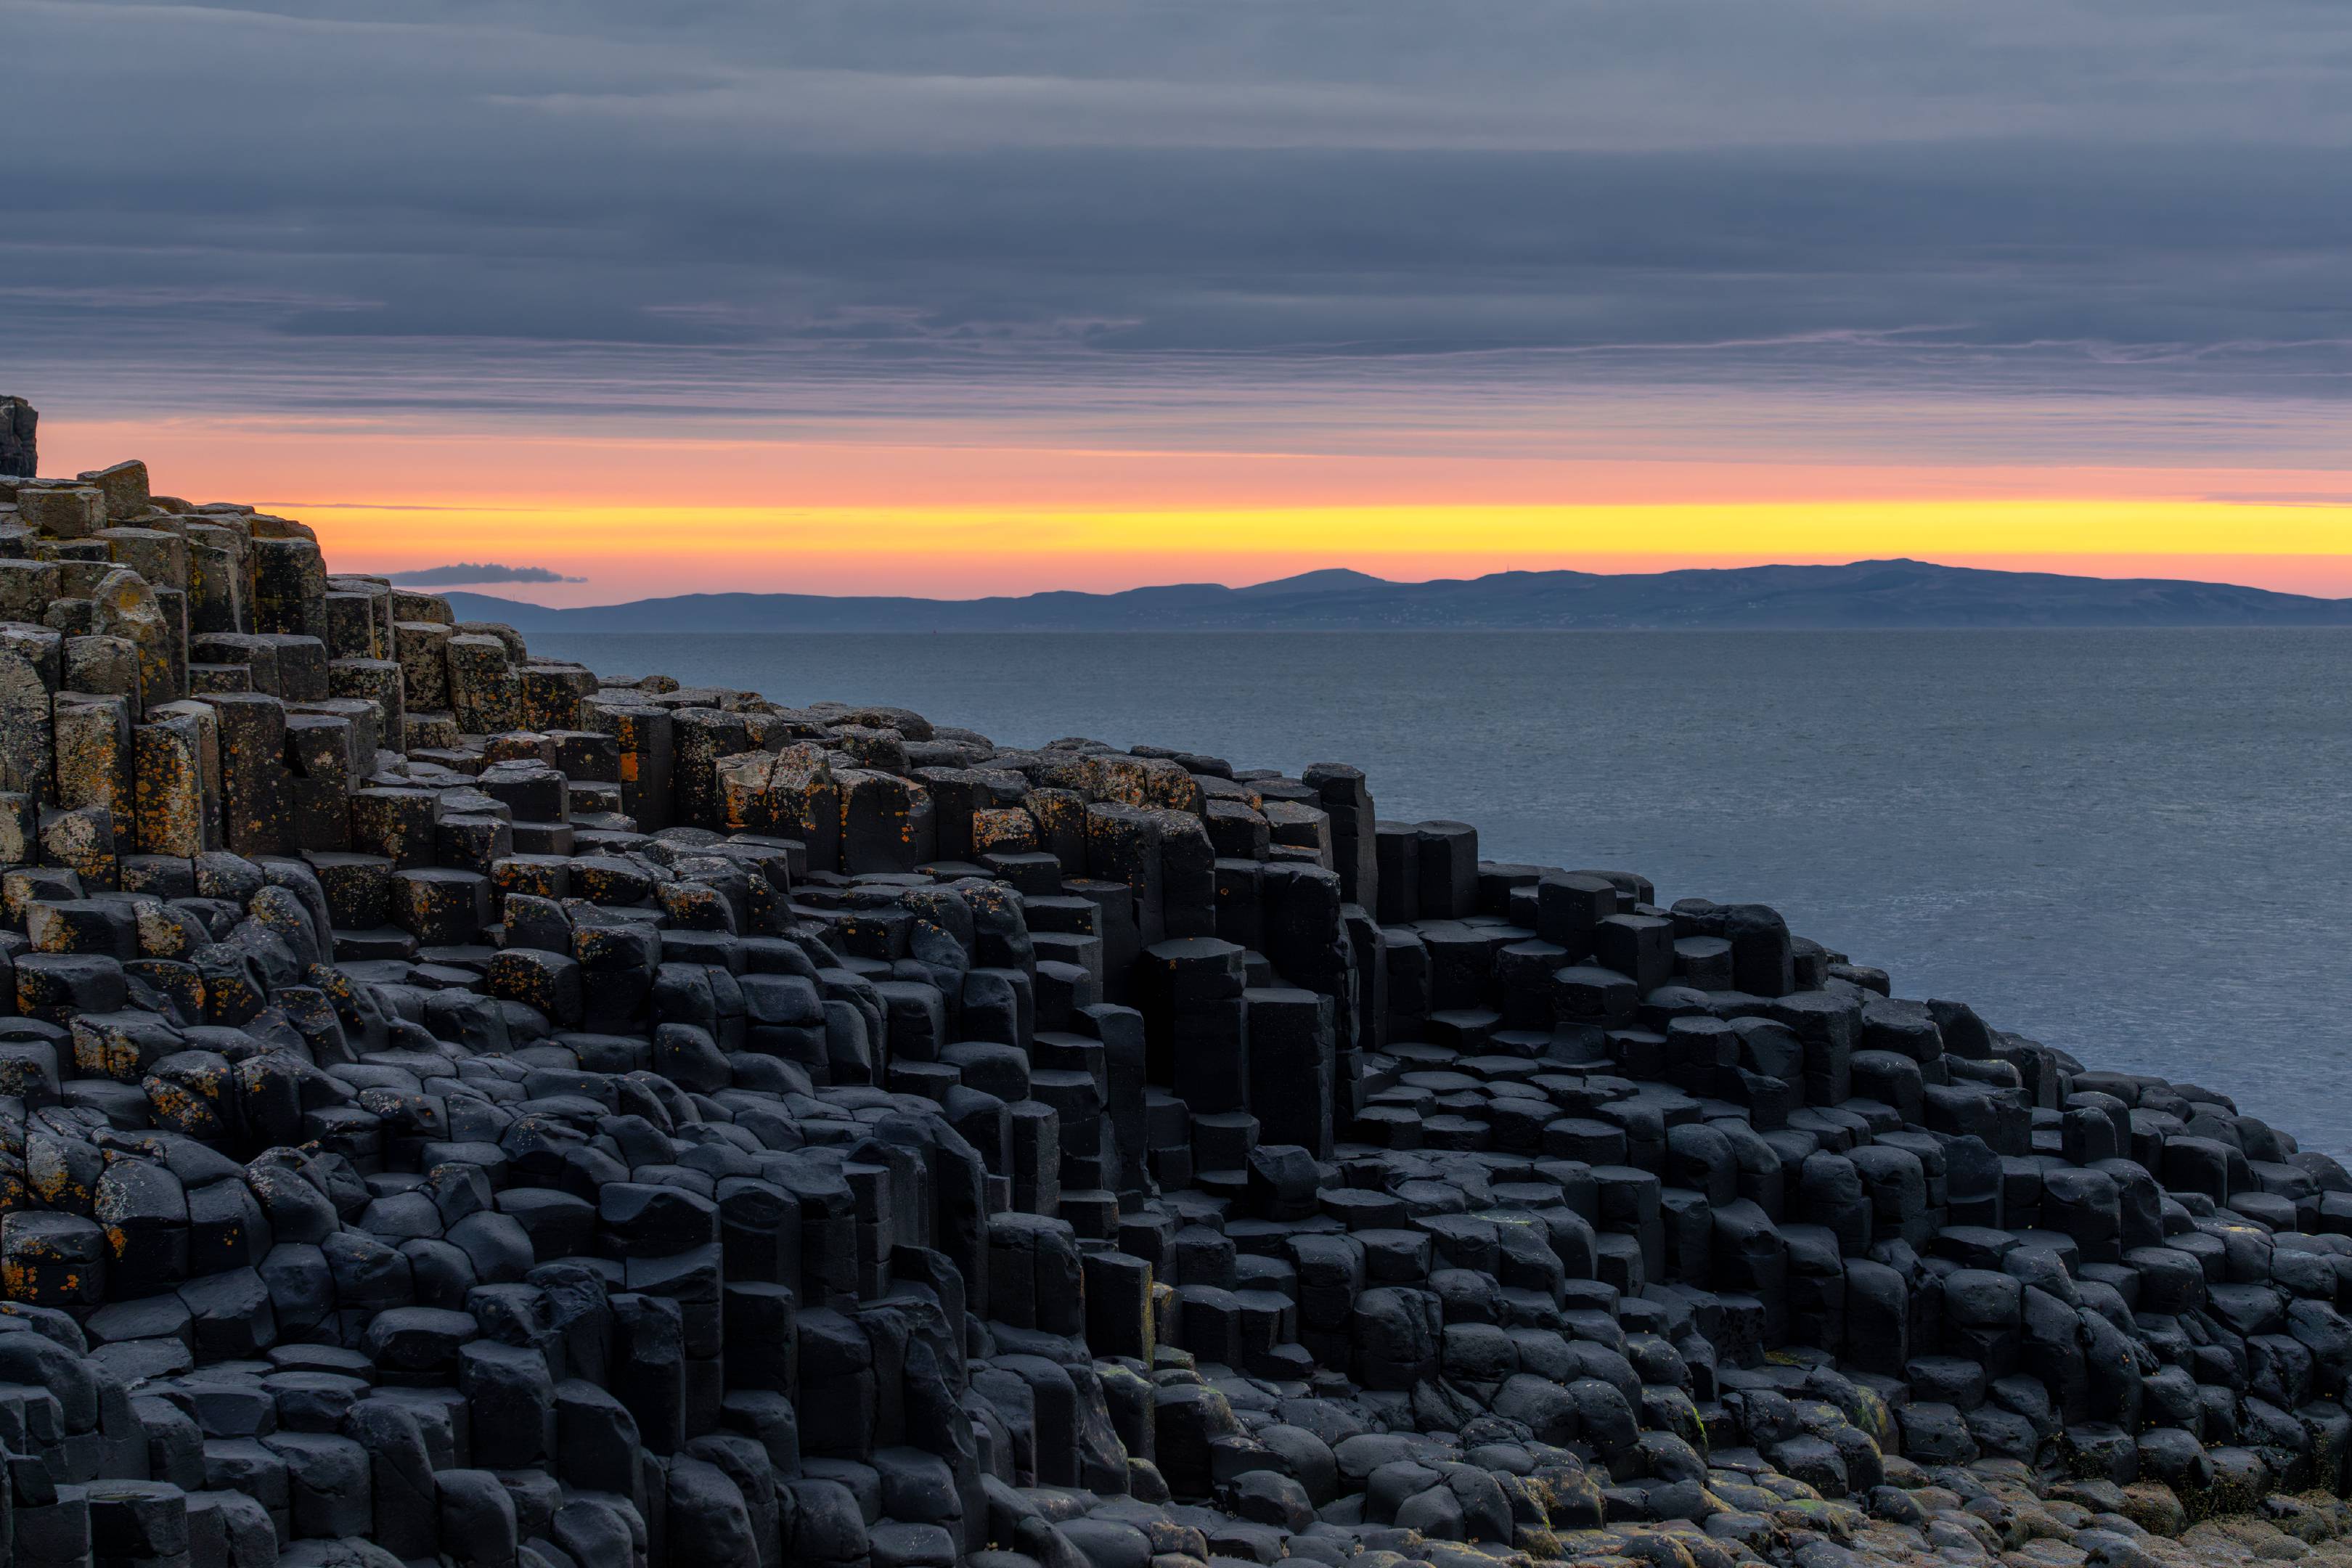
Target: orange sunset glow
640,519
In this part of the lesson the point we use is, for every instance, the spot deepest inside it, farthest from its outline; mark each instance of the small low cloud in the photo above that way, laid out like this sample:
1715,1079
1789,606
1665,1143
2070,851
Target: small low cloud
475,572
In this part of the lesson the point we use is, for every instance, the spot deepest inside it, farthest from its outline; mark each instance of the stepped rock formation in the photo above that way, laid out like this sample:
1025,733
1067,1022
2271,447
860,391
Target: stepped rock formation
458,1108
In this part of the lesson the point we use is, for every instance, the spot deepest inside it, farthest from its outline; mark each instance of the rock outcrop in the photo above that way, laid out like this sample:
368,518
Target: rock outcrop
457,1106
19,457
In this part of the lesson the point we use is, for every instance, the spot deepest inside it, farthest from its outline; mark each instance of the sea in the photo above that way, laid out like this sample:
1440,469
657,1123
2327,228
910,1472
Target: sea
2133,845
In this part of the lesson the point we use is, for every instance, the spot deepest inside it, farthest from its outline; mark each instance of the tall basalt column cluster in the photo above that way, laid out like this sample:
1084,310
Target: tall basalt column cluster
458,1108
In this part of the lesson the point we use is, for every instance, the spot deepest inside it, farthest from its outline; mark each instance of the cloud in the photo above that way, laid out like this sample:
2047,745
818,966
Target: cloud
471,572
737,213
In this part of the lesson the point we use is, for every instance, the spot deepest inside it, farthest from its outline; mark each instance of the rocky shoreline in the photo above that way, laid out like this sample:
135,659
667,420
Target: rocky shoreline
462,1107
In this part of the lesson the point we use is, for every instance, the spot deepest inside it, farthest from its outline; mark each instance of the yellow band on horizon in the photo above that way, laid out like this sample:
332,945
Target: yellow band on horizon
1052,547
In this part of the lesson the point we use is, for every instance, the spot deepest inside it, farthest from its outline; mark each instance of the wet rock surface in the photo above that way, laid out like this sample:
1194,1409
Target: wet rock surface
462,1107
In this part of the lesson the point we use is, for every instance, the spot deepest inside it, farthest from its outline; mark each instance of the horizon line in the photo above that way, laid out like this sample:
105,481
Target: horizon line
1369,580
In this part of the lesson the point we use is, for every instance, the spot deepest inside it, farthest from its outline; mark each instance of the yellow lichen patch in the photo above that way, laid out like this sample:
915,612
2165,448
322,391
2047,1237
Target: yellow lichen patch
57,1189
169,1100
743,784
1004,830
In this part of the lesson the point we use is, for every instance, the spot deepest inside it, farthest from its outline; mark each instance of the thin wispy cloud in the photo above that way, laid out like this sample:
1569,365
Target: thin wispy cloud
464,573
2283,497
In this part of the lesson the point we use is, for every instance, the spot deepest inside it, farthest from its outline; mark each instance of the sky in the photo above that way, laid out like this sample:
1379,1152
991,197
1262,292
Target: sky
955,297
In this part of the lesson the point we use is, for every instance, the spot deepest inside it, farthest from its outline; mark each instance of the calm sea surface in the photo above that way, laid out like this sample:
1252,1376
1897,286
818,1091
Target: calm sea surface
2131,845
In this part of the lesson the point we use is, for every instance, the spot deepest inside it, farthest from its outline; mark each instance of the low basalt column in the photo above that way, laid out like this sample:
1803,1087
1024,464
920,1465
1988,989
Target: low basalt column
289,587
94,758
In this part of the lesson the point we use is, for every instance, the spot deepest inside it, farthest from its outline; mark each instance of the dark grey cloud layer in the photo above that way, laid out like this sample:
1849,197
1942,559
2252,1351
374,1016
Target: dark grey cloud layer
741,208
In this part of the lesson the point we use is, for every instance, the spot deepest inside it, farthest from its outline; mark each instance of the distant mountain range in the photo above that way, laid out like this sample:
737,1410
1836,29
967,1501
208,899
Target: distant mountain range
1863,594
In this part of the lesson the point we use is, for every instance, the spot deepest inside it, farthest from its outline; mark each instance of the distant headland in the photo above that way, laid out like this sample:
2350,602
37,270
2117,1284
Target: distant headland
1861,594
